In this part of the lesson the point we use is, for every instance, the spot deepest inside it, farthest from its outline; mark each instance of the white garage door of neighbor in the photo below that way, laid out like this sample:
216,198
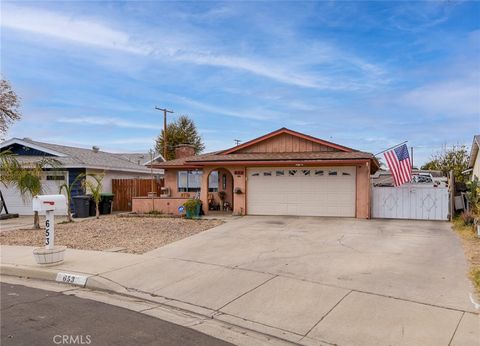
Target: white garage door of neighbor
15,203
313,191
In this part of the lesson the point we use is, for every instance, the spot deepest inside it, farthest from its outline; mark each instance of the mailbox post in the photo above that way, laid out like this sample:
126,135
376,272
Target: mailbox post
50,254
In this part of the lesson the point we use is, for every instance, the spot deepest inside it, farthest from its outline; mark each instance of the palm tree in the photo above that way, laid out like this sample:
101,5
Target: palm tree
68,190
95,188
28,180
9,167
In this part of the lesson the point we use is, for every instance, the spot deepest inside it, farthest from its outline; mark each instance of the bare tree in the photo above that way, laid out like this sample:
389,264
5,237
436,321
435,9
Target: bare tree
9,106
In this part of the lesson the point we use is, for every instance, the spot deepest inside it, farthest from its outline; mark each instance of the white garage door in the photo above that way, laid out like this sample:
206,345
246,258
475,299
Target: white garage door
15,203
317,191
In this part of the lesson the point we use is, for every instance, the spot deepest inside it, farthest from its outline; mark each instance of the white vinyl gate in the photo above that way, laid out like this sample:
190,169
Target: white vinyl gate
410,202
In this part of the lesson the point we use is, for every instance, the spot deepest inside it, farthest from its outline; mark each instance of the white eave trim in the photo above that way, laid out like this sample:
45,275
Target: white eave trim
159,156
473,152
11,141
116,169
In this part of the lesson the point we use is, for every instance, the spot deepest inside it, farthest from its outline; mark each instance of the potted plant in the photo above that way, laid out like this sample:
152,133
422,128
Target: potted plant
192,208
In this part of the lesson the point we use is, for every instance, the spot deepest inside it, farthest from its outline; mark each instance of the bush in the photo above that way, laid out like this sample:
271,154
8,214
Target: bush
191,205
473,195
468,218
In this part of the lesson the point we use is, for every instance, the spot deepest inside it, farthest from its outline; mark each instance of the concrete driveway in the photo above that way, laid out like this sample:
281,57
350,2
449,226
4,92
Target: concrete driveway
314,280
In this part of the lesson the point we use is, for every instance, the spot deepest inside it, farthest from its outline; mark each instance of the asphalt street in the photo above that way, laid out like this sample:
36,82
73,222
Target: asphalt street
32,316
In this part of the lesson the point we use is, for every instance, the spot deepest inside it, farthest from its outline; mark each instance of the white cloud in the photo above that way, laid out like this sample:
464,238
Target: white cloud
185,48
101,121
84,31
253,66
256,114
457,97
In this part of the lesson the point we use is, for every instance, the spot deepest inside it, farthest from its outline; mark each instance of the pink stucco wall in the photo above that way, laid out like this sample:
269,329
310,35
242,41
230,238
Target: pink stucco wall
239,200
363,191
163,205
238,181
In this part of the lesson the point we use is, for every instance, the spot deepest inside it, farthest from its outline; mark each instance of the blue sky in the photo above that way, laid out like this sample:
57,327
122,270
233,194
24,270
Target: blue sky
364,74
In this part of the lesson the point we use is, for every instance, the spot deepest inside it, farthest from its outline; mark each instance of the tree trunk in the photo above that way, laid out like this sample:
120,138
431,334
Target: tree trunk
97,212
36,220
69,212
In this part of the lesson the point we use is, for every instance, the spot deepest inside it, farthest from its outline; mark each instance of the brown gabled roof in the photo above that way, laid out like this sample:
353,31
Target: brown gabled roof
296,156
231,156
274,158
284,130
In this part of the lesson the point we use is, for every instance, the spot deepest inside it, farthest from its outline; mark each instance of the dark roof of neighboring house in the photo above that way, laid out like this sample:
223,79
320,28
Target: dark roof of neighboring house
73,157
474,151
141,158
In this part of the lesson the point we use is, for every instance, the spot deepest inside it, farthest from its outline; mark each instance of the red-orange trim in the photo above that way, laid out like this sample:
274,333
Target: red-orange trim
290,132
177,166
284,163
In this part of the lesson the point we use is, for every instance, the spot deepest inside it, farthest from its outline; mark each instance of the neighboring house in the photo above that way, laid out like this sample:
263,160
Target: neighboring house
74,161
474,163
423,177
281,173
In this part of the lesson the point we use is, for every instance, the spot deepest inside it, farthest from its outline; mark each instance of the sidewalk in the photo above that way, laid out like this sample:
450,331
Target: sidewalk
229,294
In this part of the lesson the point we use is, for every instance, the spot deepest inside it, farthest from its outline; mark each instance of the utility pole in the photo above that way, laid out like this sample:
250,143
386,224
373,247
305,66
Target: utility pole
165,140
237,141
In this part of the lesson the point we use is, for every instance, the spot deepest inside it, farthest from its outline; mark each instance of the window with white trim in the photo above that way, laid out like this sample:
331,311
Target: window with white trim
213,182
189,181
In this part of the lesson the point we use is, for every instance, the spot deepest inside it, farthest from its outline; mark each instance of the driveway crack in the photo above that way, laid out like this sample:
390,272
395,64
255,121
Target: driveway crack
340,241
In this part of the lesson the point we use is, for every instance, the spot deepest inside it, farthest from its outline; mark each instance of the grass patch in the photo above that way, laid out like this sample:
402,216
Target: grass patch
475,274
471,246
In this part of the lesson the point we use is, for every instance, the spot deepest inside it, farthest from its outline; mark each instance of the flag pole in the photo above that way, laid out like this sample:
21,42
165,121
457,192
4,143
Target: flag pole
390,148
411,156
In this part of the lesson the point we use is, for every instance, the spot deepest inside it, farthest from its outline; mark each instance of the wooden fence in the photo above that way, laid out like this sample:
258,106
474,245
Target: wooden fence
126,189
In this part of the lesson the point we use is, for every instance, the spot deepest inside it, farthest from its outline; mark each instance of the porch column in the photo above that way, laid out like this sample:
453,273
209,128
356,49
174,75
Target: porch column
363,191
239,199
204,189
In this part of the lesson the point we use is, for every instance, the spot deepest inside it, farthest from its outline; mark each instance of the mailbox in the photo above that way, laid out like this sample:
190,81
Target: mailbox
49,203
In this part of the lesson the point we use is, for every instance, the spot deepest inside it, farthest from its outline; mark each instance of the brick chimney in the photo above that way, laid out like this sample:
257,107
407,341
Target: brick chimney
184,150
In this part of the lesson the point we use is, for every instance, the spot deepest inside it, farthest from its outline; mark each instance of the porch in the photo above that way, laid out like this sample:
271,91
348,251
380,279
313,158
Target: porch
221,190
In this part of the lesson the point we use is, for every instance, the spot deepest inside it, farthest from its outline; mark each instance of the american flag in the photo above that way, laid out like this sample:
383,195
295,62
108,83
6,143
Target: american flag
400,165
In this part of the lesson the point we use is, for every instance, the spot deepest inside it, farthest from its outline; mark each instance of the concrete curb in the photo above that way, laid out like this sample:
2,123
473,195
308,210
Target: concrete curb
100,284
41,273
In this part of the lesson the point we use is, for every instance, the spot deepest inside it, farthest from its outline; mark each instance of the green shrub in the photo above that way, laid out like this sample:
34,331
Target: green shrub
191,205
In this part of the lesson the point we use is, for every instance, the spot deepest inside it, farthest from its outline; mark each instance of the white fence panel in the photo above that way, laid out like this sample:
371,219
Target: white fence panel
410,202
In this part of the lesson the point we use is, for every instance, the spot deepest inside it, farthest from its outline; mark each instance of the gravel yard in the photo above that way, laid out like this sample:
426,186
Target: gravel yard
135,234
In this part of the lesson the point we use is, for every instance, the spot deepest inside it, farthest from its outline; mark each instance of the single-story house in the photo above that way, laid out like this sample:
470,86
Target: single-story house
73,162
474,163
281,173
